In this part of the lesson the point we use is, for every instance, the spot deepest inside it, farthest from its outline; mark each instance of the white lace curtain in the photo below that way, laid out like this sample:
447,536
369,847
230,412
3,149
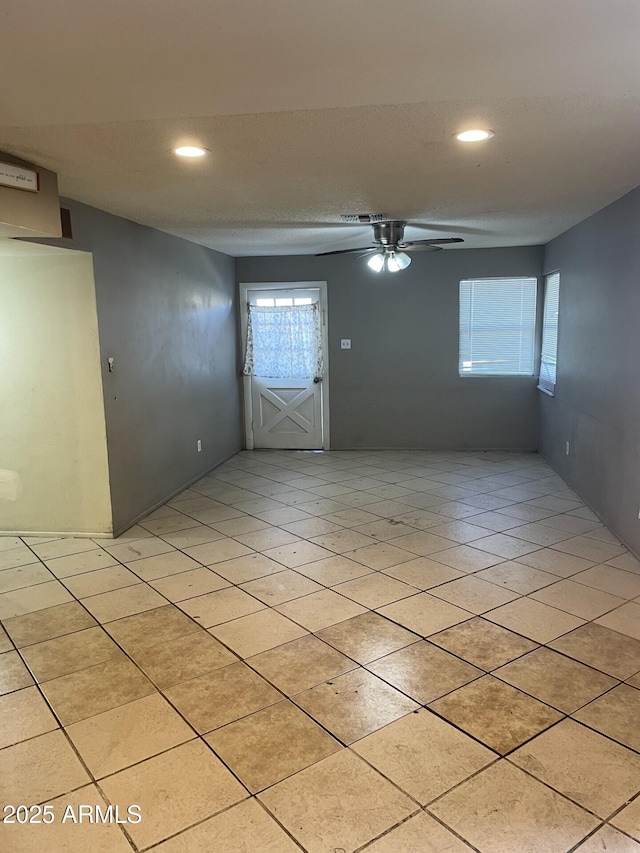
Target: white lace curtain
284,342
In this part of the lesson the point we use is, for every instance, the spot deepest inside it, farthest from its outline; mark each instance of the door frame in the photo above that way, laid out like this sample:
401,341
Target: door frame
244,289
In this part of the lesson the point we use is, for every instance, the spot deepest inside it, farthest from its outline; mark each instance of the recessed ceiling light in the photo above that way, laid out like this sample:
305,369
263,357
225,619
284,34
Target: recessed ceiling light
475,135
189,151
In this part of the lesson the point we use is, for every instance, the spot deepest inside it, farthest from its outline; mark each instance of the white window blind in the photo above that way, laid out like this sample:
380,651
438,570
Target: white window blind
497,326
549,357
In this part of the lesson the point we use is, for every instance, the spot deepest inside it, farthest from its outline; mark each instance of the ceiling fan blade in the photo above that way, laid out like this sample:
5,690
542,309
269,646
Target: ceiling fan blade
347,251
436,241
419,247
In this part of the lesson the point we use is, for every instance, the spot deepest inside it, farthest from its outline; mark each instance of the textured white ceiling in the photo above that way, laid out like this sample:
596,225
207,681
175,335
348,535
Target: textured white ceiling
311,110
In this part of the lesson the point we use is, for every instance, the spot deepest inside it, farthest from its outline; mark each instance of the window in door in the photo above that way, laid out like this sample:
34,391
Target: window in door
284,338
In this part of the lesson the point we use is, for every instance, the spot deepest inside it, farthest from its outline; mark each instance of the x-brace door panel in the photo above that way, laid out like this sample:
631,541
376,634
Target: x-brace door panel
287,414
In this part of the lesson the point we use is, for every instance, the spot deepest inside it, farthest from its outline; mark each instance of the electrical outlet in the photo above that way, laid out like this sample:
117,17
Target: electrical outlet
199,446
566,448
345,343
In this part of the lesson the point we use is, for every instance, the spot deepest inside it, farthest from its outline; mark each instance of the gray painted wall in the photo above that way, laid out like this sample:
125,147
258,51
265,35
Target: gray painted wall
398,387
167,314
597,402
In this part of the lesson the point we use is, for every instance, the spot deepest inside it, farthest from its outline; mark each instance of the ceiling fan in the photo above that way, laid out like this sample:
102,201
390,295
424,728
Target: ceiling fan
389,249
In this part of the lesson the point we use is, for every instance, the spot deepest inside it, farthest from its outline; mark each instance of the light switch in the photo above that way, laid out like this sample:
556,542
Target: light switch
345,343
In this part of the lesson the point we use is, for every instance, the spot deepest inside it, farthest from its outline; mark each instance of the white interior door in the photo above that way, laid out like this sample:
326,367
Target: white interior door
285,412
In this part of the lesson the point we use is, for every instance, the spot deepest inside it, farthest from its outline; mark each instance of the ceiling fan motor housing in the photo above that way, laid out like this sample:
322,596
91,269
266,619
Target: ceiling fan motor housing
388,233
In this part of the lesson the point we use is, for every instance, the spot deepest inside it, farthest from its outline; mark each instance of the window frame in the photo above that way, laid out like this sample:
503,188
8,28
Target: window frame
531,331
549,386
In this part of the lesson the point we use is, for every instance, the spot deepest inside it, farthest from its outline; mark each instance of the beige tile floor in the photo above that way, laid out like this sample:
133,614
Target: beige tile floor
398,652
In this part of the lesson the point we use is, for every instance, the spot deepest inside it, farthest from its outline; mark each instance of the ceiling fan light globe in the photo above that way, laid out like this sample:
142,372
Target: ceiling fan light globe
376,262
392,263
402,260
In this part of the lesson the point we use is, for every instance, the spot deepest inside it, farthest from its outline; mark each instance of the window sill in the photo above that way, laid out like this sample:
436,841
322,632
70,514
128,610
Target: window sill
528,376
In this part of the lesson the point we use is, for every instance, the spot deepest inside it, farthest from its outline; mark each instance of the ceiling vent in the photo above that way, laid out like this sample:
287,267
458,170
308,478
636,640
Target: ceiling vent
363,218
